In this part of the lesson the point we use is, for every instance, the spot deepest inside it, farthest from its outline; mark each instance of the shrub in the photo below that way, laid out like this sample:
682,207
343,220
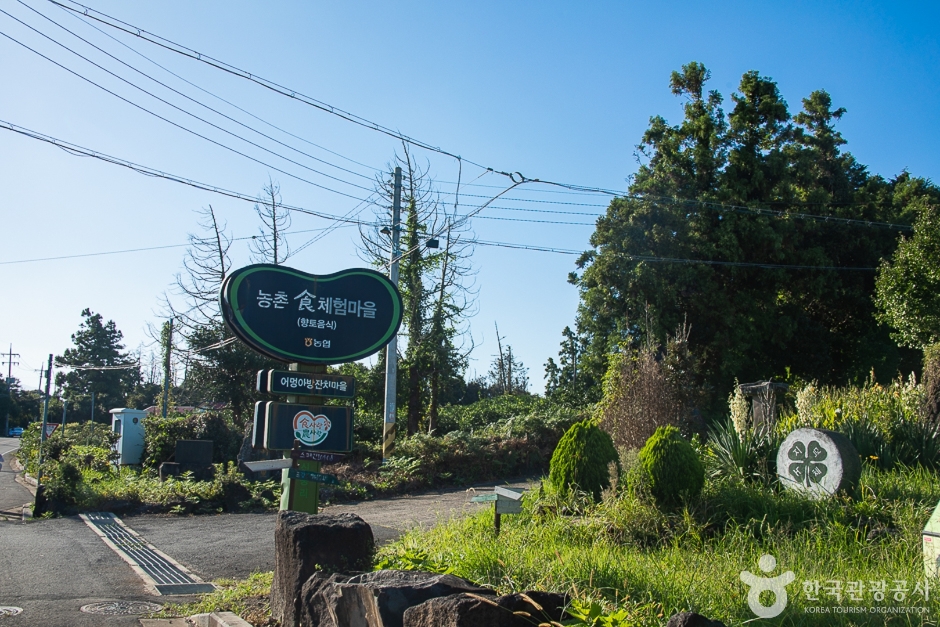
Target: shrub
487,411
748,454
672,466
581,459
161,434
648,388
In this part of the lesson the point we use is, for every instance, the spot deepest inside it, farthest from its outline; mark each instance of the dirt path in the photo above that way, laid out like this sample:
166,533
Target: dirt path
236,545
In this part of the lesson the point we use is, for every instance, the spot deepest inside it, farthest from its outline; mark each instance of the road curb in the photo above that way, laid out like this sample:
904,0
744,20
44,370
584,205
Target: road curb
219,619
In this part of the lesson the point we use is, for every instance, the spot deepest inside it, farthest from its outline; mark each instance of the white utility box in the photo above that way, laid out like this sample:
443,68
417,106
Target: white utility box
129,424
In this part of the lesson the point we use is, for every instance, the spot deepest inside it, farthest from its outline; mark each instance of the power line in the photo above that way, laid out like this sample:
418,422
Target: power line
167,44
144,74
139,250
516,177
179,126
228,102
77,150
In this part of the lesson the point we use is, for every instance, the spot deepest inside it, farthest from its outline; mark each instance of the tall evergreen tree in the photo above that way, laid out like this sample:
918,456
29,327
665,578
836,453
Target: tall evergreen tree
718,204
95,364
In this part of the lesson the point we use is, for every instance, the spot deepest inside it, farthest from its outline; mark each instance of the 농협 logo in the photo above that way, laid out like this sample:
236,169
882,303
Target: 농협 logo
310,429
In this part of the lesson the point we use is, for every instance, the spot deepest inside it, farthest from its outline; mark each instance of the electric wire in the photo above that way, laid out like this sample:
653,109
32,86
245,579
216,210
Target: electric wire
229,102
170,104
74,149
193,54
172,46
191,99
77,150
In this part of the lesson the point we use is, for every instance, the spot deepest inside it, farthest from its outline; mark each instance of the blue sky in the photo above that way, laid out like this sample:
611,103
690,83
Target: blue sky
556,91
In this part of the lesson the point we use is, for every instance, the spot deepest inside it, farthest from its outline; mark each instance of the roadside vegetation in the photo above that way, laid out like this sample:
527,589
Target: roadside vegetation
489,440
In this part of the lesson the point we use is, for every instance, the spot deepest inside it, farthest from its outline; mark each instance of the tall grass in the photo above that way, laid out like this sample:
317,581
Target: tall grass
625,553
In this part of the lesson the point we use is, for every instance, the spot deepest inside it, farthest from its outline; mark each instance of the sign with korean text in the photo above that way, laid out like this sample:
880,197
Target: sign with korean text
316,427
294,316
306,383
316,456
308,475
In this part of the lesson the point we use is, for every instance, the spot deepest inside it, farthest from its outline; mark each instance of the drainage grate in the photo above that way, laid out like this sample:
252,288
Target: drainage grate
9,610
121,608
160,571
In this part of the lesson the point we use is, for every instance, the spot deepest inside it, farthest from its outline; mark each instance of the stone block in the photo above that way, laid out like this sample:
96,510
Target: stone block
376,599
818,463
169,469
691,619
305,544
194,452
513,610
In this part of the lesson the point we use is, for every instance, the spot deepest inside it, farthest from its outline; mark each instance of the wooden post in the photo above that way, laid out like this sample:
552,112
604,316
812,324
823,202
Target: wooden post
496,518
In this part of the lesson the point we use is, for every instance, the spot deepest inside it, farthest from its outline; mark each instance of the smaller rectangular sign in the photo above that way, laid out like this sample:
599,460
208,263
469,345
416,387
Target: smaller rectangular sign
257,433
307,475
510,493
269,464
261,382
508,506
484,498
316,456
317,427
306,383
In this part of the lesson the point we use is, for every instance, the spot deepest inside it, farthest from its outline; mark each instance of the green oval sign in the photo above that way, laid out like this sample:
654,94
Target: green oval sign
307,318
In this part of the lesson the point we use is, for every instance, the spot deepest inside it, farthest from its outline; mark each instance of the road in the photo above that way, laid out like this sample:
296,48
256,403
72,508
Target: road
12,494
51,568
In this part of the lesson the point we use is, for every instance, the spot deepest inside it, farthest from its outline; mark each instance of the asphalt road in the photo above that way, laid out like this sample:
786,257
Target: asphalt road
51,568
12,494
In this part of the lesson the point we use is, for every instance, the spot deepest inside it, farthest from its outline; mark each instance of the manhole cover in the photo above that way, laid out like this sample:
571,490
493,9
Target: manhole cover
10,610
121,608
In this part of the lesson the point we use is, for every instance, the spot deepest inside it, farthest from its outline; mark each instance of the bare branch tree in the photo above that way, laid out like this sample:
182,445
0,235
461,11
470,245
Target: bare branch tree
271,245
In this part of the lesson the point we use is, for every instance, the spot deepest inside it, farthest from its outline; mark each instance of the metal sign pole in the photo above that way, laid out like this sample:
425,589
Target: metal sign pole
391,351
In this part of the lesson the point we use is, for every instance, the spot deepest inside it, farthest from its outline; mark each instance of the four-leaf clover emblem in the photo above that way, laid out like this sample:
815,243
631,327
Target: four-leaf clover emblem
808,467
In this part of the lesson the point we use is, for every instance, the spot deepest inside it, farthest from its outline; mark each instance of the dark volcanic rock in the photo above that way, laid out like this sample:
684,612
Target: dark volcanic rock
463,610
305,544
691,619
377,599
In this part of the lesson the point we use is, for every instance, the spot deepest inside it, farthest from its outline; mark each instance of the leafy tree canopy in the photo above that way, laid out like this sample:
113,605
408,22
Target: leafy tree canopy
97,344
908,287
736,193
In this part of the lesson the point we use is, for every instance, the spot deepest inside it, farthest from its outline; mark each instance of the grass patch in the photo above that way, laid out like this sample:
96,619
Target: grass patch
629,556
249,598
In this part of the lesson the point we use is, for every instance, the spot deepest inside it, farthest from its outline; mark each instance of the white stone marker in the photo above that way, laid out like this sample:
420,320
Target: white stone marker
818,462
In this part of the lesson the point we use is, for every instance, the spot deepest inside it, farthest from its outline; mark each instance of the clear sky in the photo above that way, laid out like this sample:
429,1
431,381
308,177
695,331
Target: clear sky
556,91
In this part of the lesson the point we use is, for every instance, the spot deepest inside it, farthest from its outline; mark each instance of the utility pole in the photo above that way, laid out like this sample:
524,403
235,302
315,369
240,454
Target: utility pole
45,416
39,506
166,365
9,363
391,351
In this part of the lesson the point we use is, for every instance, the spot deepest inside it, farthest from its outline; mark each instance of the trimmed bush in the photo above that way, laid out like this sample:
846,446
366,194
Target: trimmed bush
672,466
582,459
